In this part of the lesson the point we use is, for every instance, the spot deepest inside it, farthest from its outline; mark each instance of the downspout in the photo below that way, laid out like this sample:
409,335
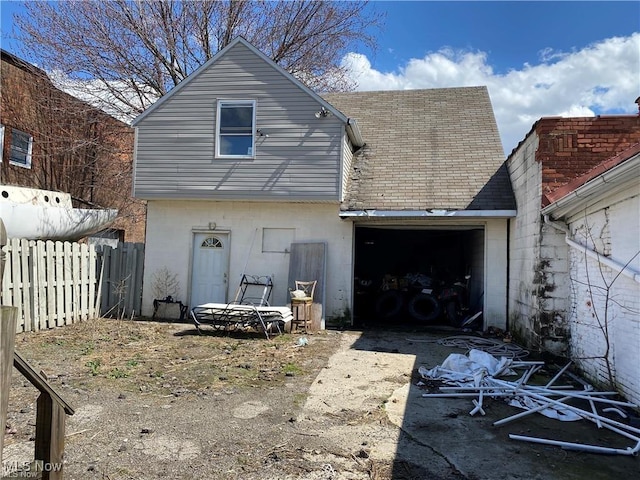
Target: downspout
625,270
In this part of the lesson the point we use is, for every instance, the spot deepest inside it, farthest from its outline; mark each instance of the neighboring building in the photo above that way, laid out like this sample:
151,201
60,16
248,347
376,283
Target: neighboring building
554,152
53,141
599,214
240,163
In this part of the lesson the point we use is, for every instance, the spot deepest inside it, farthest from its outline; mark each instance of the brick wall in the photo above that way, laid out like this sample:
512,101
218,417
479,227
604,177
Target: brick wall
77,149
569,147
556,151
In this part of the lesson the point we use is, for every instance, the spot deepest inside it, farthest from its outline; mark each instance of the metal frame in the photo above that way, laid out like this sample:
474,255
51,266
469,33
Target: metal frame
248,310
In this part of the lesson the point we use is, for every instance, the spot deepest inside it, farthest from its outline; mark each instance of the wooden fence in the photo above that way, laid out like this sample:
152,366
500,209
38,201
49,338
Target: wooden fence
121,269
51,283
55,283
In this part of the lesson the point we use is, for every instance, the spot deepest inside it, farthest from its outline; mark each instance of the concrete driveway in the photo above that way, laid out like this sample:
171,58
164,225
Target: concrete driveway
374,374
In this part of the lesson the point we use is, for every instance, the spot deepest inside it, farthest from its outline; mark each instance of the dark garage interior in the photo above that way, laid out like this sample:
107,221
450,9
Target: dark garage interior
418,275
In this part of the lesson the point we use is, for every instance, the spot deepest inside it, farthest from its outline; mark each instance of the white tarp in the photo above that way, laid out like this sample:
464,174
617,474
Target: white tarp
478,368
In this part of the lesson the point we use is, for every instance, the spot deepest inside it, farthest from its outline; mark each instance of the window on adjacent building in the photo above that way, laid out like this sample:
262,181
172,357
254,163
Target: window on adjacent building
235,135
21,144
1,141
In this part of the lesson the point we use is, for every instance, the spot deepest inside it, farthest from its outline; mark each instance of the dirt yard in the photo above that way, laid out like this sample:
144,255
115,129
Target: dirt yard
156,400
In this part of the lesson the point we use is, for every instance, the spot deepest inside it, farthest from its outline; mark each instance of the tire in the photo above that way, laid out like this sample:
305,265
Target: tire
424,308
389,304
452,314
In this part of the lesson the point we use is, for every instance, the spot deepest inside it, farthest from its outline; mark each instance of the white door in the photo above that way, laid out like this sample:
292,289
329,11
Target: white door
209,271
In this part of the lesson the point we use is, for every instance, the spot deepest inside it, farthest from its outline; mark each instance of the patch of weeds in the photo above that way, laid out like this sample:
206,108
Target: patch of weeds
118,373
233,347
88,349
291,369
94,366
133,362
135,336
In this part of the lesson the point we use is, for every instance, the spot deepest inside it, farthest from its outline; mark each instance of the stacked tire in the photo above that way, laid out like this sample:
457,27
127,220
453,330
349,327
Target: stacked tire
421,307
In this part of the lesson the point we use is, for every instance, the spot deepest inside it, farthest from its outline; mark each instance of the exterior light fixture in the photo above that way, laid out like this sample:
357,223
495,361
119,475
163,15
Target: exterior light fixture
323,112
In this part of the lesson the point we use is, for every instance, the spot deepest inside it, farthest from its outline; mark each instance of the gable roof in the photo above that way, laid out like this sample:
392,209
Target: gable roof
352,125
435,149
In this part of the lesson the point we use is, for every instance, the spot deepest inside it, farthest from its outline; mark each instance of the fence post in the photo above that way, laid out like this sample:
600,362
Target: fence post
60,283
8,317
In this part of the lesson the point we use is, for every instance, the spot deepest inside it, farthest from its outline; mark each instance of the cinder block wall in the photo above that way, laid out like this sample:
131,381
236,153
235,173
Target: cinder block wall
604,318
526,177
556,151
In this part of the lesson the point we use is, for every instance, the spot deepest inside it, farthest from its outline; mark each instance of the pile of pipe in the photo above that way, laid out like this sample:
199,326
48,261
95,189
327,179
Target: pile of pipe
476,375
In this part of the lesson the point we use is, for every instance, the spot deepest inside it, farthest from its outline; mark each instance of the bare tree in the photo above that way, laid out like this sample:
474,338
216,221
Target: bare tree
600,300
77,148
135,51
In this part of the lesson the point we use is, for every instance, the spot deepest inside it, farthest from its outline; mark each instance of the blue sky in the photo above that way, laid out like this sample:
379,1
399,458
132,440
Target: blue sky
537,59
511,33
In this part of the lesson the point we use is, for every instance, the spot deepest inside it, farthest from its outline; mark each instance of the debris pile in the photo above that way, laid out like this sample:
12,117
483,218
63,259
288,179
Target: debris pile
477,375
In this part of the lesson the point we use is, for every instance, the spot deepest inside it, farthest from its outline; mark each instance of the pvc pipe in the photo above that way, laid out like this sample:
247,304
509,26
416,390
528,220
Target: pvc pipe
593,409
586,395
478,404
625,270
617,410
579,446
526,412
589,414
531,371
558,375
477,409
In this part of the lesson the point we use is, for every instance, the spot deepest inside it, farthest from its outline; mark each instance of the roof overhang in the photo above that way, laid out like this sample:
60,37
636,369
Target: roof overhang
621,177
353,131
357,215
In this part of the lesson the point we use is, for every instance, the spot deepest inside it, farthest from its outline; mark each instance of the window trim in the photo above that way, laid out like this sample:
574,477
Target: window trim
27,163
1,142
220,104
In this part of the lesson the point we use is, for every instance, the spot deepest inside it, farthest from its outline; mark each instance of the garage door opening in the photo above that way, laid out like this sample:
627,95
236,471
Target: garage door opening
419,276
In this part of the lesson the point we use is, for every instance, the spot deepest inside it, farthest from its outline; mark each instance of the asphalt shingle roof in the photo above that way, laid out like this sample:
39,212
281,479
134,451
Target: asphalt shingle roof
426,149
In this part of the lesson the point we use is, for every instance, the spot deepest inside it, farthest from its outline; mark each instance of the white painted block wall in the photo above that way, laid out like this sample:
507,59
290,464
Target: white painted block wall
496,254
613,228
171,224
526,179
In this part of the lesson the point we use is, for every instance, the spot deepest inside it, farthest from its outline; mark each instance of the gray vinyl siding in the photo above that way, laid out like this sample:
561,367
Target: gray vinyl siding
298,160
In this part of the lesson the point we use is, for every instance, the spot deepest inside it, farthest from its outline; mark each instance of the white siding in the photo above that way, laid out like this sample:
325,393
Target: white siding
170,227
298,158
347,160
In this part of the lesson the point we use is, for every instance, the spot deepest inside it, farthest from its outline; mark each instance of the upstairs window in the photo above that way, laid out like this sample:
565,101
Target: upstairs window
235,135
21,144
1,141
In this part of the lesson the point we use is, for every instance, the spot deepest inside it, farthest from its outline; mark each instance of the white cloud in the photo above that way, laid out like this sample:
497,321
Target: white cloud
599,79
